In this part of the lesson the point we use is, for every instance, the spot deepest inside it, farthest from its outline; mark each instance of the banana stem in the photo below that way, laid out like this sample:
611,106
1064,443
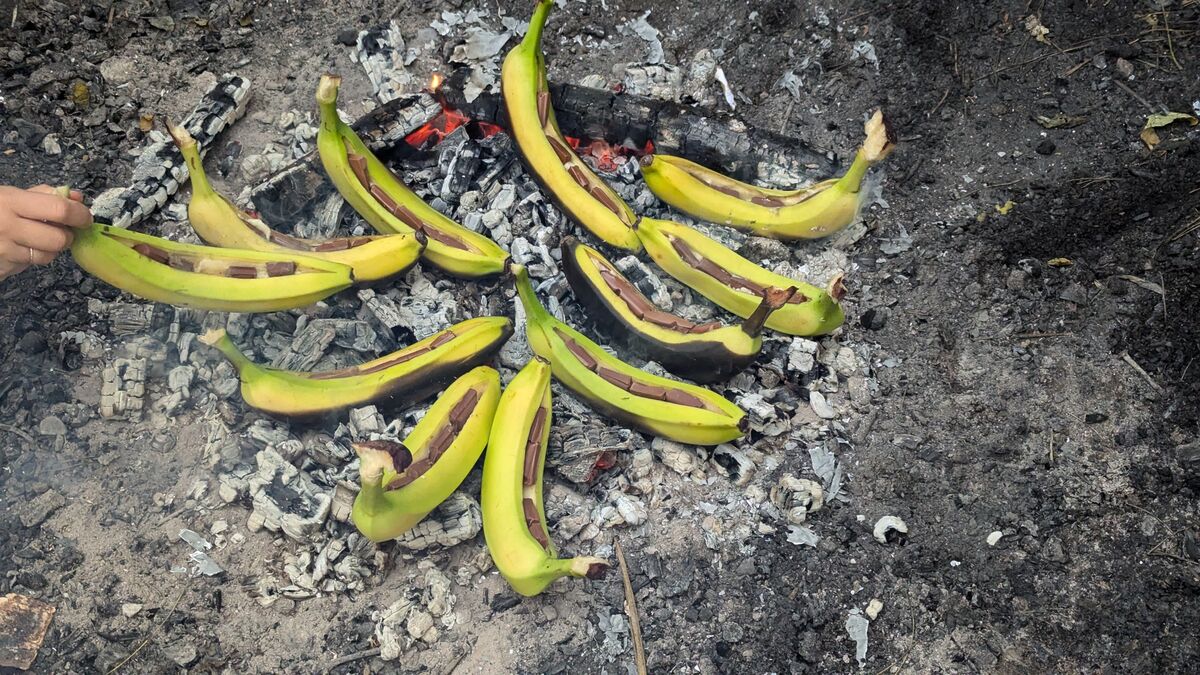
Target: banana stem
537,23
191,155
851,181
773,300
533,307
371,497
327,94
219,340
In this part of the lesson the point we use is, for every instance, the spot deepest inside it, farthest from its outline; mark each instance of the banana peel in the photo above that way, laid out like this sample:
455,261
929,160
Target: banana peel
409,374
809,213
514,517
218,222
403,482
656,405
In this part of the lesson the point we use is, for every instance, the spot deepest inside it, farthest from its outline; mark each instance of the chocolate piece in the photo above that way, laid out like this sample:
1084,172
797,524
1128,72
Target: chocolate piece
614,377
647,391
444,237
533,520
281,269
683,398
332,245
153,252
442,440
543,105
442,338
385,200
242,272
580,353
181,263
463,409
413,472
579,176
288,241
358,164
604,198
407,355
563,152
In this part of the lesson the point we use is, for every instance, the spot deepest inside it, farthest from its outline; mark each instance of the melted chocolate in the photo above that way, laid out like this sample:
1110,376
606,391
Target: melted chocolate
693,257
628,383
408,355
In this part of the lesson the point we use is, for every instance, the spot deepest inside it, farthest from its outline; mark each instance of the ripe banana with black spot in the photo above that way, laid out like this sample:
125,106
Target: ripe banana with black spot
402,482
203,277
514,519
735,283
808,213
704,353
409,374
380,197
577,190
676,410
220,223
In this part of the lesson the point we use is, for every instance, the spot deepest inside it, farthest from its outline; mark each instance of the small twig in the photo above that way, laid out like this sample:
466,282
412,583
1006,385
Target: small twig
1141,371
1134,94
635,625
787,116
153,629
939,104
351,658
1170,45
13,430
16,6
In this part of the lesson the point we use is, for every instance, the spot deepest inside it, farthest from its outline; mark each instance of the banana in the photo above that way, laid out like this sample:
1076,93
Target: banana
676,410
220,223
388,205
221,279
409,374
703,353
403,482
577,190
735,283
514,520
809,213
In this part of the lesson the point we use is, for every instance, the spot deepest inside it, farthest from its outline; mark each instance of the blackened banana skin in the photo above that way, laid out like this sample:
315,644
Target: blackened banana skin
703,357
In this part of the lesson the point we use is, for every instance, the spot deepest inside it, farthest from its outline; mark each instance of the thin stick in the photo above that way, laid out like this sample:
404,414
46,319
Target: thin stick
16,6
1134,364
939,104
13,430
351,658
1170,45
153,629
635,625
1134,94
787,116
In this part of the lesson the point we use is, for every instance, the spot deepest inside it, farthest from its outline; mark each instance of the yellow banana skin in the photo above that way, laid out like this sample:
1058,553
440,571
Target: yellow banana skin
220,223
108,253
393,499
809,213
408,374
393,208
550,159
510,484
811,311
656,405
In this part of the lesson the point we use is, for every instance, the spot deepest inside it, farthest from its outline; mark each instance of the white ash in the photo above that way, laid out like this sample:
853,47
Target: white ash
454,521
686,460
286,499
856,627
820,406
797,497
416,615
888,524
646,281
123,384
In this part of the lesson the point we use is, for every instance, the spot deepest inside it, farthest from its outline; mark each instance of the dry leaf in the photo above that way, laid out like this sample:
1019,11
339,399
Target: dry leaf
1036,29
1059,262
1060,121
1148,285
1150,137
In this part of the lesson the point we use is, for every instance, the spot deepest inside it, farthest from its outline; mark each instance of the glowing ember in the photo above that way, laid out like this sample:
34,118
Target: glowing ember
436,81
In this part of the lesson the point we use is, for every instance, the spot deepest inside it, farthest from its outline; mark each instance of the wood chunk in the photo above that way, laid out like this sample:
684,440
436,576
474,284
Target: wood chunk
614,377
648,391
442,338
153,252
281,269
358,164
680,397
242,272
288,241
23,625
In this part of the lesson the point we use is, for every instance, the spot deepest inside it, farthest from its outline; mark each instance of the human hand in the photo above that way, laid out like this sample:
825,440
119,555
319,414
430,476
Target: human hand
35,225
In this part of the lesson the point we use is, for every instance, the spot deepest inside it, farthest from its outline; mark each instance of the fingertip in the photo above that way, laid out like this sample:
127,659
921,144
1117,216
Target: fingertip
42,189
76,196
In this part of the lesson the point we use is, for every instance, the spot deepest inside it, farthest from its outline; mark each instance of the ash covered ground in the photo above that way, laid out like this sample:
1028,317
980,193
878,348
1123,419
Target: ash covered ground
977,388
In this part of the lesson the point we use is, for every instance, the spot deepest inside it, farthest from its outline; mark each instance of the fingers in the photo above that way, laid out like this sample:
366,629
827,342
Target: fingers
38,205
76,195
21,256
41,236
8,269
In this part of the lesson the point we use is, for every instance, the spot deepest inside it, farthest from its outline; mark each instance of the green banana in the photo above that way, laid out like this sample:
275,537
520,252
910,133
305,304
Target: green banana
220,223
735,283
403,482
676,410
514,519
410,374
577,190
703,353
220,279
379,196
809,213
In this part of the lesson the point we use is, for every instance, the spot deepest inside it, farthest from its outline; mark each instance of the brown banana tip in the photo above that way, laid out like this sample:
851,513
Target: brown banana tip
646,160
212,336
327,88
597,570
421,237
400,454
743,424
179,134
837,287
541,359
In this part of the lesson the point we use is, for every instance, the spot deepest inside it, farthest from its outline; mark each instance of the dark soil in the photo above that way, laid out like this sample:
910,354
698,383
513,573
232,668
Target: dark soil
1005,402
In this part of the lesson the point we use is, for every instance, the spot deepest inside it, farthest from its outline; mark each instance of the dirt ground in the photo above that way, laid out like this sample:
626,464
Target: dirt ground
1033,340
